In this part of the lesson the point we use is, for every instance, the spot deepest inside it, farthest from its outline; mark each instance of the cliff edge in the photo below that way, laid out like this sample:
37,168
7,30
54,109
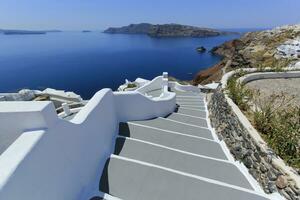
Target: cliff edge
276,48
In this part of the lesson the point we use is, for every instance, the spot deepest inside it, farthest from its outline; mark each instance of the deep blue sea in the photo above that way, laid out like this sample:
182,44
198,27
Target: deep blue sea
87,62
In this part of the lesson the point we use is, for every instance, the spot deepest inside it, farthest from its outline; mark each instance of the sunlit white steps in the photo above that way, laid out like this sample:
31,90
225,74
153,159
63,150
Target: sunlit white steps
173,158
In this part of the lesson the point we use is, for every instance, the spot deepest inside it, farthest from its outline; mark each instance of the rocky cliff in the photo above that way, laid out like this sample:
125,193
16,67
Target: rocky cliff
279,47
166,30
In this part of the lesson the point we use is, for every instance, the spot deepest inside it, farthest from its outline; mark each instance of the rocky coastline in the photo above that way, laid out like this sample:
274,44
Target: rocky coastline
276,49
270,48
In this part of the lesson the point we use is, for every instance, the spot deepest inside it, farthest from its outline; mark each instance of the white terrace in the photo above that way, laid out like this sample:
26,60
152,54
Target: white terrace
152,143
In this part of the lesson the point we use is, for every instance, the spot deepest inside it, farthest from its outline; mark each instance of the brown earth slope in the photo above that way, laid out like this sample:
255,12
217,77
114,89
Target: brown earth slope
254,49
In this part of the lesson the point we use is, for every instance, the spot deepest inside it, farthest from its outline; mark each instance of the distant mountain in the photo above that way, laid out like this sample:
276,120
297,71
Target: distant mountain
142,28
166,30
22,32
26,32
53,31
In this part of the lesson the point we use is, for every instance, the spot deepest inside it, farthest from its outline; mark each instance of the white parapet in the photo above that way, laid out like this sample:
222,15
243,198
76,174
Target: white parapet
165,82
66,109
165,74
268,75
177,86
56,159
62,95
155,84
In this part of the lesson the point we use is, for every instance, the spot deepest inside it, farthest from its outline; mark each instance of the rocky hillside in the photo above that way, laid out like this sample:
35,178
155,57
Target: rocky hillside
279,47
166,30
142,28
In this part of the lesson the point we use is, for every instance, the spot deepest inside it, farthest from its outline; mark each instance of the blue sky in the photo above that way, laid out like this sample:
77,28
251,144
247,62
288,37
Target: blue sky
99,14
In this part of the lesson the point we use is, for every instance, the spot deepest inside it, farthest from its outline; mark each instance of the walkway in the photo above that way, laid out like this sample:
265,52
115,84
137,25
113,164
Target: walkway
175,157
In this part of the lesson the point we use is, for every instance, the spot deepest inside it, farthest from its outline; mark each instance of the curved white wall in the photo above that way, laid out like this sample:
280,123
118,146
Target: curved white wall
288,70
268,75
57,159
177,86
155,84
135,106
62,158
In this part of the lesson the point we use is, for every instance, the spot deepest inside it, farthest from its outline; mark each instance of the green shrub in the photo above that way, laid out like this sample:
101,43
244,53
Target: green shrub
279,123
239,93
285,135
265,111
274,117
131,85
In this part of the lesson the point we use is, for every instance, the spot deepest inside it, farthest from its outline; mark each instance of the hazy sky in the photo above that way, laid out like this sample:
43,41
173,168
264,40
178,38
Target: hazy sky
99,14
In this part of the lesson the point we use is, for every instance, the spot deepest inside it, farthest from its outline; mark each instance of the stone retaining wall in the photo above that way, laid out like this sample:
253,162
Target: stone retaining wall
245,149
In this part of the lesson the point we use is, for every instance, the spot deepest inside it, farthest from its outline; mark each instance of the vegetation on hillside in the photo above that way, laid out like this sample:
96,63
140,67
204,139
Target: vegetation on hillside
239,93
252,50
274,117
279,123
131,85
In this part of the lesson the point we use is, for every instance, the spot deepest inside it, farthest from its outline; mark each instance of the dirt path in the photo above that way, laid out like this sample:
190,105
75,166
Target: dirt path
290,87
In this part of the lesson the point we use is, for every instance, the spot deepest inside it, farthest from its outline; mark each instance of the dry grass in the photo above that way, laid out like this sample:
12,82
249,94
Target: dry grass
279,123
275,117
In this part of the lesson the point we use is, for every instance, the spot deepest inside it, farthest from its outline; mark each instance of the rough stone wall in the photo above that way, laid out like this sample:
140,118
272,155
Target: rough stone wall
244,149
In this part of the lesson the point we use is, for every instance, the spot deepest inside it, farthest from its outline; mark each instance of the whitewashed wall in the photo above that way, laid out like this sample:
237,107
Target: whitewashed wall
256,76
176,85
134,106
268,75
57,159
155,84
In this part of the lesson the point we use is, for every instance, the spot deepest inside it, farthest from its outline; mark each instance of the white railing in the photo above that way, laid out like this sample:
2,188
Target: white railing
287,71
57,159
160,82
155,84
177,86
268,75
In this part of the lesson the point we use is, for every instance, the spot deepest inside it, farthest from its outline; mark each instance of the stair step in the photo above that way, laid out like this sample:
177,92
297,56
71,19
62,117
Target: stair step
187,93
190,103
202,108
188,119
177,127
131,180
190,144
189,99
193,112
200,166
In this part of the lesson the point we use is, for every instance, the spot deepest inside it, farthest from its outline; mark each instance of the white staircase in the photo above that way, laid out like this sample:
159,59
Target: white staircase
147,144
174,157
